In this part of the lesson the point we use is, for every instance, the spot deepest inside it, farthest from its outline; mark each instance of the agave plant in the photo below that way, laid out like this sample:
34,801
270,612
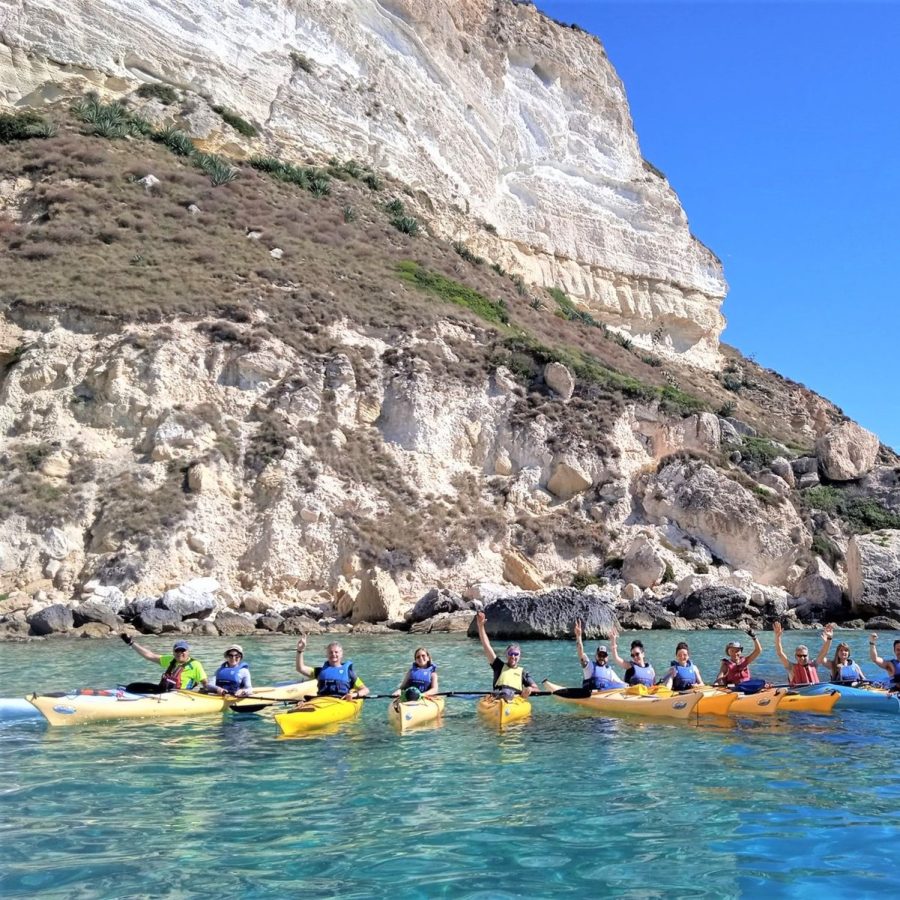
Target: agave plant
406,224
219,171
176,140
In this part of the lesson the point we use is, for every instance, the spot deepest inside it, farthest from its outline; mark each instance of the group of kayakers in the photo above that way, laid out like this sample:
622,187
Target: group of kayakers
336,677
734,669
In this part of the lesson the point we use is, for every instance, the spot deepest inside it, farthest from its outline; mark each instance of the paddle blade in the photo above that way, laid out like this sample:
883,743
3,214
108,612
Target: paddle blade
752,686
249,707
573,693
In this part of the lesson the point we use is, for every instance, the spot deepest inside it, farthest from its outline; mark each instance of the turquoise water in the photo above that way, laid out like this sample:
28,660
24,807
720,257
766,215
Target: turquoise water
563,805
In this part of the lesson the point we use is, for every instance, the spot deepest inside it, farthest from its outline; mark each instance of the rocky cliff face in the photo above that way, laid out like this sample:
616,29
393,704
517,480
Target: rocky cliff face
265,390
488,108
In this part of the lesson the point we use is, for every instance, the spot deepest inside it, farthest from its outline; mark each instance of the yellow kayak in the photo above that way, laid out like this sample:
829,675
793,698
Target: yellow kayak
404,715
764,703
316,713
629,702
79,707
500,712
818,703
262,697
716,702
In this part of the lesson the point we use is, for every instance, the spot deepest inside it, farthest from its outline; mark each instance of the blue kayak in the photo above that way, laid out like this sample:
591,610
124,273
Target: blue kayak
12,709
864,697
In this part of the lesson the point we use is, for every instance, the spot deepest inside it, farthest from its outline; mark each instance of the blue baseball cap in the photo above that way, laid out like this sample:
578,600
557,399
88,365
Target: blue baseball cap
181,645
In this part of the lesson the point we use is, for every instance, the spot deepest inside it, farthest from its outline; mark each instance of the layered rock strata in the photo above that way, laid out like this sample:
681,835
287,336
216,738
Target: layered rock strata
489,110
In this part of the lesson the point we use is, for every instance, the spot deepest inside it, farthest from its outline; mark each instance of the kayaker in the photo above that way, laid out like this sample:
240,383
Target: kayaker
640,671
891,666
509,677
843,669
421,680
802,671
336,677
597,674
682,674
182,672
735,668
233,675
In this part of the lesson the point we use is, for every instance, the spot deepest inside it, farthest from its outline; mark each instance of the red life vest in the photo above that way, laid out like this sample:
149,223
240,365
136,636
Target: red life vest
804,673
735,672
171,680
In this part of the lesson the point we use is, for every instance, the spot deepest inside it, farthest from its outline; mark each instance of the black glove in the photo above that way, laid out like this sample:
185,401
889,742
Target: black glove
127,638
752,634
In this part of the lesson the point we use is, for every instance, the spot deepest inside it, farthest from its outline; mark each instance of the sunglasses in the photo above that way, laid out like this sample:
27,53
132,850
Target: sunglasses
233,655
513,654
179,650
802,656
636,655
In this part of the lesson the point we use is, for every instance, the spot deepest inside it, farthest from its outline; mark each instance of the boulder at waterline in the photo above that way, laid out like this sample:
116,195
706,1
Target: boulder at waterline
52,620
549,615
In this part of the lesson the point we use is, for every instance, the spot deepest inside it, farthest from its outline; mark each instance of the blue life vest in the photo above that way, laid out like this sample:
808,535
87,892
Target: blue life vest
685,676
846,673
641,675
420,678
895,679
335,681
229,678
602,678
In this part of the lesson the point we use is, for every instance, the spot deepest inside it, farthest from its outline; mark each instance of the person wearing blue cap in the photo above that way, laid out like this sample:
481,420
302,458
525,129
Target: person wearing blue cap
181,671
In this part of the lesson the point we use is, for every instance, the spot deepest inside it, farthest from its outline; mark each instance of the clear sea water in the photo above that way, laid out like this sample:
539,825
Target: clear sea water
565,805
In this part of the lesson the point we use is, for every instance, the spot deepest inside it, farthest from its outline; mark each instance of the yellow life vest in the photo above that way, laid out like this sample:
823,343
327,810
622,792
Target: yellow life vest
510,677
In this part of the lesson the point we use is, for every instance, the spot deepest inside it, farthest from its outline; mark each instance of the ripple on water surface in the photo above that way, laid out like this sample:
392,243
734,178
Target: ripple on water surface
561,805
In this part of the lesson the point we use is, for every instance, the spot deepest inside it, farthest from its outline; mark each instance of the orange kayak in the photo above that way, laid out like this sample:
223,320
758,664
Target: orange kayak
818,703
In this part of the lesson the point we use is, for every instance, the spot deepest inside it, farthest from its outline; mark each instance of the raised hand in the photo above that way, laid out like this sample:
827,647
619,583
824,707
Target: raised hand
778,628
577,629
301,644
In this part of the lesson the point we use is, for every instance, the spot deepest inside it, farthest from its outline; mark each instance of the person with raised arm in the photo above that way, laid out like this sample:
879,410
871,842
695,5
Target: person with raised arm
735,668
336,676
891,666
597,674
639,671
509,677
843,669
802,671
181,671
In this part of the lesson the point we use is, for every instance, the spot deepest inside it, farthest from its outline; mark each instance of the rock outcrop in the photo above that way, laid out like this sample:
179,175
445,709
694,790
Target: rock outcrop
847,452
873,574
747,531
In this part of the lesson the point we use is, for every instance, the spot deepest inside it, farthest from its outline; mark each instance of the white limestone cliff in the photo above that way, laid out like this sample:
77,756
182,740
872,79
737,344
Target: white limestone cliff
489,110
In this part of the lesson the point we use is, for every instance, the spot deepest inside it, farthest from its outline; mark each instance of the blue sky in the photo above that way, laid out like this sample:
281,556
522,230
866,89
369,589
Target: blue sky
778,125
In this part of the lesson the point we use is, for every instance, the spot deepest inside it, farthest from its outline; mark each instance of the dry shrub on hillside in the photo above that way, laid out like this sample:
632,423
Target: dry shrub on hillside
44,501
132,506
